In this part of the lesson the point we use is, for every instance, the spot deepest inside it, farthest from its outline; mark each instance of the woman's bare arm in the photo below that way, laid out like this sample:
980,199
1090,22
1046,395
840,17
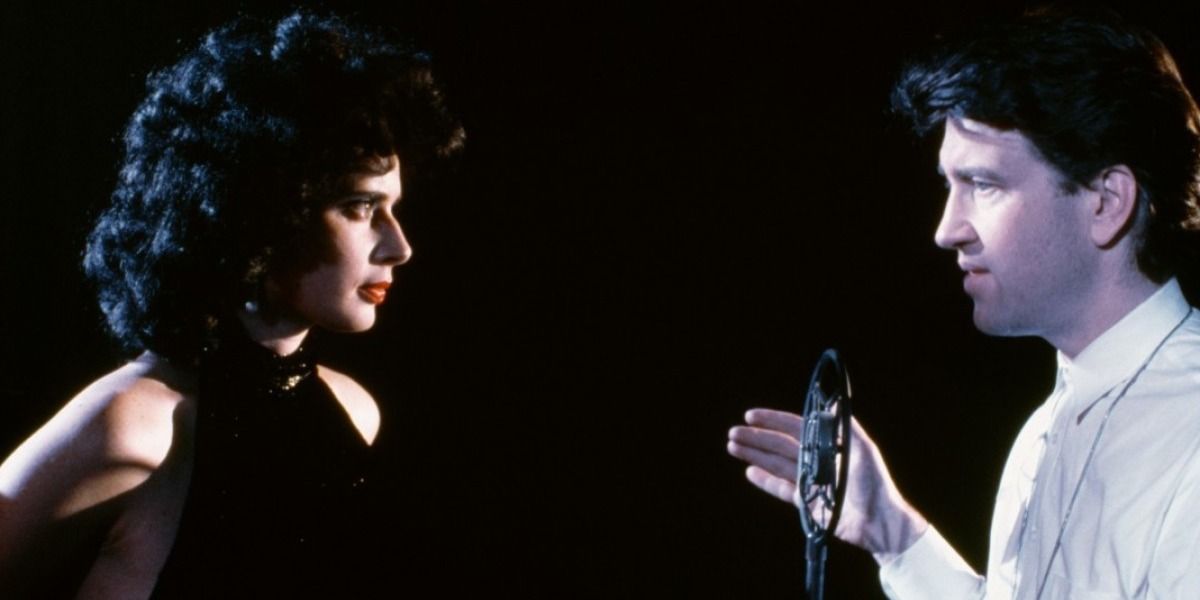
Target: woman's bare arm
66,491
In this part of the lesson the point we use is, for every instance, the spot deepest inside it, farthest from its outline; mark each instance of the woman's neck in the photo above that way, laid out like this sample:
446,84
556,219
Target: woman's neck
281,336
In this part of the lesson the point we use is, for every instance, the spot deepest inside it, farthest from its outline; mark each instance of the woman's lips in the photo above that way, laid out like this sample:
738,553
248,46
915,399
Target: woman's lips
375,293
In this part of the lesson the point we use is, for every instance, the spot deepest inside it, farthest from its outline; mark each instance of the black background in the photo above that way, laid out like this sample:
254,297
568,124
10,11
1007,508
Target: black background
664,213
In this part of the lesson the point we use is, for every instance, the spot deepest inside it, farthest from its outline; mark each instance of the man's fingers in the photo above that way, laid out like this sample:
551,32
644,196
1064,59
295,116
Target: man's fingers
769,445
766,440
789,423
779,466
779,487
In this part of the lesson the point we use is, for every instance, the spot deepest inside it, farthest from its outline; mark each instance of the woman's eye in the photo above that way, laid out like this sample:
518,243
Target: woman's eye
360,208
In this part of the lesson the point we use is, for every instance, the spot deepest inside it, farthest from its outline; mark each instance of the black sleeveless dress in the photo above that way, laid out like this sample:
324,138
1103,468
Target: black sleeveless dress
280,502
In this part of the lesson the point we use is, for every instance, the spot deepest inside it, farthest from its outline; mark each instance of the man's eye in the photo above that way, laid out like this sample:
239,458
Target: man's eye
983,187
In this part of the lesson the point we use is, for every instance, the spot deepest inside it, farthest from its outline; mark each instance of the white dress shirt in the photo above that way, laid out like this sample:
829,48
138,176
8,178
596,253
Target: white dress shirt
1128,516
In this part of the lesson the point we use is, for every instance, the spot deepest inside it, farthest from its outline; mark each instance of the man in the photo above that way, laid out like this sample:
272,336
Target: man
1070,150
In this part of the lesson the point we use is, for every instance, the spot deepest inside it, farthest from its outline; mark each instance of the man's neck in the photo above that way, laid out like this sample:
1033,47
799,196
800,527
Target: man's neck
1109,304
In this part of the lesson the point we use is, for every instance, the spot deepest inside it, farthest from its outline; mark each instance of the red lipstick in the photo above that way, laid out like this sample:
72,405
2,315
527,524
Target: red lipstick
375,293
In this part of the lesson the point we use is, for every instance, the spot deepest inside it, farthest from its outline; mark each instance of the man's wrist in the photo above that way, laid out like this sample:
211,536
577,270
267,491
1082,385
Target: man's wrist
899,534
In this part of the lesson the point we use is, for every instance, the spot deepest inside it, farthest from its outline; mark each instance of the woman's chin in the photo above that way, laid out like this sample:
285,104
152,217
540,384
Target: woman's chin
352,323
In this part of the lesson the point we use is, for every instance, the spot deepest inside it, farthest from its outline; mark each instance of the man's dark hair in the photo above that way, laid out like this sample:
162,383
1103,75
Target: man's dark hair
227,158
1090,91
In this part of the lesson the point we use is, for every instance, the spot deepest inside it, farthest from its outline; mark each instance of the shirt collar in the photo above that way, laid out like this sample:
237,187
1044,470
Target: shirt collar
1119,351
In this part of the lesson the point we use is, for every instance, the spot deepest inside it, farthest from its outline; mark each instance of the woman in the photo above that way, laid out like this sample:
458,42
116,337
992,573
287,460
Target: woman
256,201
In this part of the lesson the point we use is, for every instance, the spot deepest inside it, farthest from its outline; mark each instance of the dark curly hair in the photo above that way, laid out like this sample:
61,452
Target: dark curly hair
226,158
1090,91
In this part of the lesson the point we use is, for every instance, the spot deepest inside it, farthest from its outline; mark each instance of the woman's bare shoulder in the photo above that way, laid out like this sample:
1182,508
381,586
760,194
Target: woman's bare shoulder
103,442
355,400
83,476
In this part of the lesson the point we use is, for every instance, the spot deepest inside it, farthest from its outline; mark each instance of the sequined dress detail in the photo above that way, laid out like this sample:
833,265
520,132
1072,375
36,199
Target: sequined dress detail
278,502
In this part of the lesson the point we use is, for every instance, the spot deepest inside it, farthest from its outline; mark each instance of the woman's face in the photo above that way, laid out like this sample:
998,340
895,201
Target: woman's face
362,241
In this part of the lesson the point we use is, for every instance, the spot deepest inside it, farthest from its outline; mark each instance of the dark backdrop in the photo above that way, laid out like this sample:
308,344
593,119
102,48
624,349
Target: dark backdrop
664,213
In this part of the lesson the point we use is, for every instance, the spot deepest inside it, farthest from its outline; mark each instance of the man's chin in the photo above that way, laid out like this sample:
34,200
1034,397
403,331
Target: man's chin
985,320
989,323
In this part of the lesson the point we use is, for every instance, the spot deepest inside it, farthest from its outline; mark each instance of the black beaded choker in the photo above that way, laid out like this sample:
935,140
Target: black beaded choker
240,357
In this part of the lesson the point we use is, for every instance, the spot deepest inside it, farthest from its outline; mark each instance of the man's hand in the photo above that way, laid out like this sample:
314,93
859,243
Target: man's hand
875,516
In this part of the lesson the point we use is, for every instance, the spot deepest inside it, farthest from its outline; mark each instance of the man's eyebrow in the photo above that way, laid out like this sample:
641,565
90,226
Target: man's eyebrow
969,173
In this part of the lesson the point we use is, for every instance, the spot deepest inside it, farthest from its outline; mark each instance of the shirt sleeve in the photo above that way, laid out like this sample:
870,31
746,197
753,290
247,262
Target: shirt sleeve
1175,571
930,570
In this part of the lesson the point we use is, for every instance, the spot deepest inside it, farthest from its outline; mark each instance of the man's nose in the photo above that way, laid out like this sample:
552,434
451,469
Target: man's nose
954,230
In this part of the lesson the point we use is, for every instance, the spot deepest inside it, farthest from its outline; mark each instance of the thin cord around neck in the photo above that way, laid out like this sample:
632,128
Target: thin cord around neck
1092,452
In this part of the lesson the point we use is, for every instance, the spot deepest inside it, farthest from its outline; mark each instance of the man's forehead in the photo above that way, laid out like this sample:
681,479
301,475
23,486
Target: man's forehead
982,132
973,143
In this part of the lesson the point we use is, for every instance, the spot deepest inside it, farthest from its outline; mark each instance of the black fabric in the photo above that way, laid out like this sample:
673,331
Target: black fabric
280,502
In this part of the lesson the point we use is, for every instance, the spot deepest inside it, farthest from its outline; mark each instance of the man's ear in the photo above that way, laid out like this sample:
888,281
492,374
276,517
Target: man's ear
1113,207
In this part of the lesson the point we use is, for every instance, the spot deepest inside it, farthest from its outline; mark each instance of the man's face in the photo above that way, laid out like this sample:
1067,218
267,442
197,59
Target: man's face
1022,242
